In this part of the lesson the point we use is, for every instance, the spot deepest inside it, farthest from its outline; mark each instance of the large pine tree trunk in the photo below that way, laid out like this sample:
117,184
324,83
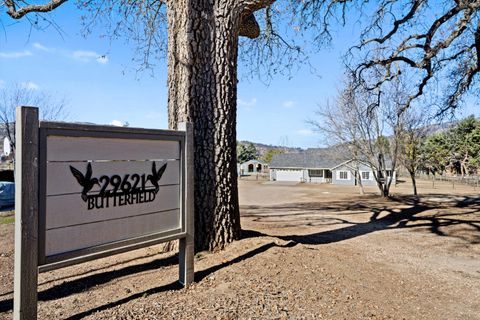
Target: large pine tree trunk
202,81
227,212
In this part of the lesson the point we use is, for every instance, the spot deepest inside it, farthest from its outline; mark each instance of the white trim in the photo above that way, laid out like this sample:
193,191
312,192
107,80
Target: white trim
341,164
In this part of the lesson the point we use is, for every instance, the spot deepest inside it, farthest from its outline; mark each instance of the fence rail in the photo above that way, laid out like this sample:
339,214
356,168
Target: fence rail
473,181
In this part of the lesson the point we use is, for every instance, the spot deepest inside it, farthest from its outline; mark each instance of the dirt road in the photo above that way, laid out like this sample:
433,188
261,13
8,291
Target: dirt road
309,252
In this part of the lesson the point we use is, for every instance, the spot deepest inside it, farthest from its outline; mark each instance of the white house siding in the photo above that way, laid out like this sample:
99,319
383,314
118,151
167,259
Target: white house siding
371,181
336,176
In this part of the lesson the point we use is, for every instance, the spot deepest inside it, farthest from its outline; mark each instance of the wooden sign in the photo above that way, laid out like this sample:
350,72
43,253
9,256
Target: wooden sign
92,191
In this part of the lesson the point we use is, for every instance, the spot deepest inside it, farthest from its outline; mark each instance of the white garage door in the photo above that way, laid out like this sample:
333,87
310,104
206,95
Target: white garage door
289,175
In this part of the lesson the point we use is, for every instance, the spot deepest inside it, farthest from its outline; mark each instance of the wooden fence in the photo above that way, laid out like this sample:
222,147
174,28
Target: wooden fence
473,181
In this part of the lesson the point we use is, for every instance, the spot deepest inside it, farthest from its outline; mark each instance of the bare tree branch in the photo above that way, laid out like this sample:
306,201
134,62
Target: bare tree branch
19,12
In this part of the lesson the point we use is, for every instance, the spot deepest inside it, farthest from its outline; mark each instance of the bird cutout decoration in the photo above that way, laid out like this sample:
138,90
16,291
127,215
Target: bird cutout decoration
156,175
86,181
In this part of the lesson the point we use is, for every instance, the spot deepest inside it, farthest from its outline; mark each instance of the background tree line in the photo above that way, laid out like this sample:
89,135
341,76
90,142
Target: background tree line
454,151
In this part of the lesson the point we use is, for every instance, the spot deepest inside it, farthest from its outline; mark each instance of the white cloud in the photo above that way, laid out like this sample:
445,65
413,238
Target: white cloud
88,56
41,47
102,59
15,54
288,104
84,56
30,85
247,104
79,55
116,123
305,132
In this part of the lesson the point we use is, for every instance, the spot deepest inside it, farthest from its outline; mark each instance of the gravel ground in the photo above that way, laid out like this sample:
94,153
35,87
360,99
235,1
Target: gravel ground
308,252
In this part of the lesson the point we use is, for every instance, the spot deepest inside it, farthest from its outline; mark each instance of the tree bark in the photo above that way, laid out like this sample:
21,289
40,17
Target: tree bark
357,174
202,81
414,181
382,178
360,183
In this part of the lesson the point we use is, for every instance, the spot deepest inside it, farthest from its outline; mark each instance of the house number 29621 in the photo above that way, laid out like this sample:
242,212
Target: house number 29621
129,189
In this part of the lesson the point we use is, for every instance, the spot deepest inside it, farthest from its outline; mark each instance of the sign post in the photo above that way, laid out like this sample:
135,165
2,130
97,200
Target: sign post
186,245
26,214
85,192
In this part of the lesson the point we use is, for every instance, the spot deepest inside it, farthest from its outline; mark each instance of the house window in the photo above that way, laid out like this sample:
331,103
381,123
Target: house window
365,175
315,173
343,175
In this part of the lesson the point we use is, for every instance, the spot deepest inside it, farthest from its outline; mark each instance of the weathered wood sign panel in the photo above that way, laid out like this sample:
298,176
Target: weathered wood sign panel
120,188
101,190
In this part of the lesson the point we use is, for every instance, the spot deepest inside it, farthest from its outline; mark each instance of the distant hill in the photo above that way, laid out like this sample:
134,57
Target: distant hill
440,127
340,149
263,148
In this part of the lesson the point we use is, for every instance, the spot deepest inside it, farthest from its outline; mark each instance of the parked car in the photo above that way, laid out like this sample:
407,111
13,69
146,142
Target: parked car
7,194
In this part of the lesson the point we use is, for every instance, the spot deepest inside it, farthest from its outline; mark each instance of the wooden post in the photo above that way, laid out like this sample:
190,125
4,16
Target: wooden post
186,254
26,214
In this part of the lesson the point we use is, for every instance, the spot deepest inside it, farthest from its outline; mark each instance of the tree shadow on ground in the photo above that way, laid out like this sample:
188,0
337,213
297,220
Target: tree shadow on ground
175,285
90,271
396,213
79,285
82,284
436,213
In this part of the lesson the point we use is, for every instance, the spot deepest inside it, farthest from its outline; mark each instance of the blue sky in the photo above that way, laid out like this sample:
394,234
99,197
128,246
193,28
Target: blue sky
99,81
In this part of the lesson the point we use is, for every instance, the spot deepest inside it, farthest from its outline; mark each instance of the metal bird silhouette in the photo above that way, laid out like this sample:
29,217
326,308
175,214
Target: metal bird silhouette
156,175
85,181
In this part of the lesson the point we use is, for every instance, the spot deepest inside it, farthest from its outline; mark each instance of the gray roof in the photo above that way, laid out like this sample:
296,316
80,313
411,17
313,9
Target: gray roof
327,158
253,161
318,159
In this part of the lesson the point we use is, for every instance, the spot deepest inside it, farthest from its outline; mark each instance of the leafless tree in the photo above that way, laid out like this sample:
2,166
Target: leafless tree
430,41
12,96
369,125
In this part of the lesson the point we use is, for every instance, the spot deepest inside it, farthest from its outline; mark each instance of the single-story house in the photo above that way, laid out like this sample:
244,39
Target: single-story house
302,167
252,167
321,167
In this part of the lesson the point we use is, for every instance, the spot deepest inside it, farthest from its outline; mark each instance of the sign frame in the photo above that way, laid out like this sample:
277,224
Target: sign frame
31,199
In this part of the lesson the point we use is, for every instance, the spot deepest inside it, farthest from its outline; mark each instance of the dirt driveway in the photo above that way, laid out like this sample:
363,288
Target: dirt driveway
308,252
